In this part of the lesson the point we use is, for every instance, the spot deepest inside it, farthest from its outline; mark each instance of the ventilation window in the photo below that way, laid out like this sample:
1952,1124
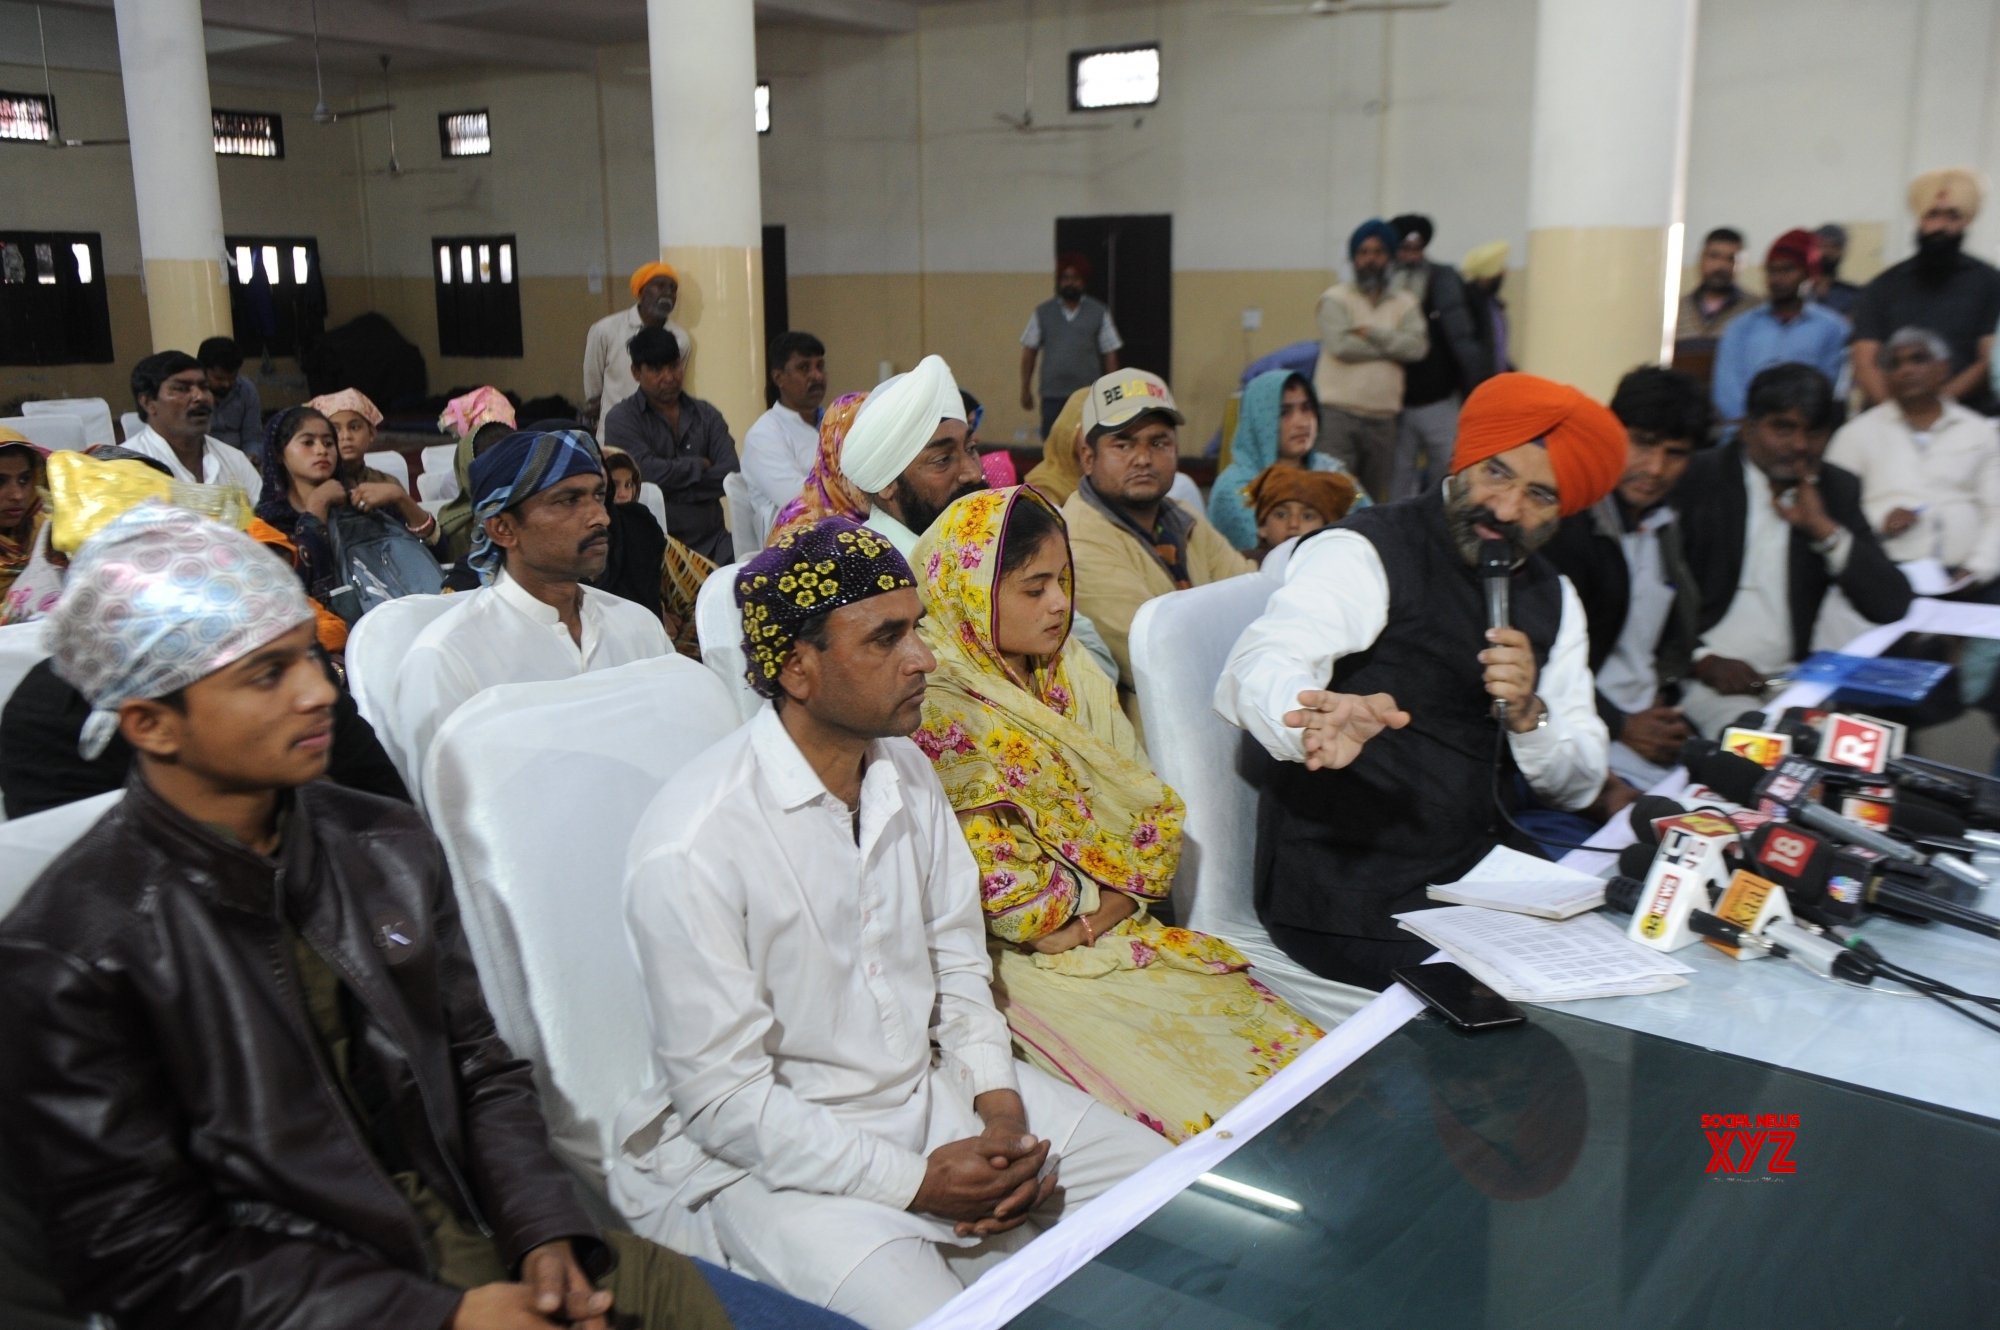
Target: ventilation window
763,108
249,134
465,134
26,117
1111,77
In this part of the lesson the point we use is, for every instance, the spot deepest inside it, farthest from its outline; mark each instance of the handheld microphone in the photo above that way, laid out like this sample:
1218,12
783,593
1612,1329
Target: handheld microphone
1496,566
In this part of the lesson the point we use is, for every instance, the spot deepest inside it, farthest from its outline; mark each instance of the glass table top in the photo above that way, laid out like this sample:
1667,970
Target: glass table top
1558,1174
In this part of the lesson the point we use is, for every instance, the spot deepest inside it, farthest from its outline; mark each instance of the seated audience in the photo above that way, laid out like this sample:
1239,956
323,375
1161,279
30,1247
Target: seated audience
172,395
1276,425
1626,557
1786,328
909,452
1368,333
251,1078
638,546
838,1100
1770,528
1130,541
1929,468
1075,838
1372,678
355,421
826,492
239,414
1290,501
780,446
477,421
1940,287
542,534
302,488
24,476
681,444
1056,474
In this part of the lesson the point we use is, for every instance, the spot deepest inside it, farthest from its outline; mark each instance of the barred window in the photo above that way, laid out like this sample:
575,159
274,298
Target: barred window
465,134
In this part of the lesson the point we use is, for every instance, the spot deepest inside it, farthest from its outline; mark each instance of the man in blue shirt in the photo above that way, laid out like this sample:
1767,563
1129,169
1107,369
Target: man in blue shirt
239,414
1786,328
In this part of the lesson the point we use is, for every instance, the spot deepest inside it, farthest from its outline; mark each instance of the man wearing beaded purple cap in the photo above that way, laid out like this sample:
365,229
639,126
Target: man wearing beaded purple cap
807,914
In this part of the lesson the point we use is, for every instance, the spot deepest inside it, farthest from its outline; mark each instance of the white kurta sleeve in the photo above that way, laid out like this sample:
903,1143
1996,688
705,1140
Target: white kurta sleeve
594,351
1335,601
1564,761
967,1025
711,1028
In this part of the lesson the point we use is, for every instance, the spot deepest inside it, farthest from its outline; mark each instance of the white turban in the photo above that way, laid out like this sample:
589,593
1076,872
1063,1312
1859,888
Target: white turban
896,422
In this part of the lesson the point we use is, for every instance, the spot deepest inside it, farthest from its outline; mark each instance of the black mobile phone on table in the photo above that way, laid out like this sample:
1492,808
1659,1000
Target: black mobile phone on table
1458,997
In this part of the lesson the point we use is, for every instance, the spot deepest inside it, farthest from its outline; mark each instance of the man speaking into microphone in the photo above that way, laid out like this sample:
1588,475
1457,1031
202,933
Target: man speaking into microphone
1373,677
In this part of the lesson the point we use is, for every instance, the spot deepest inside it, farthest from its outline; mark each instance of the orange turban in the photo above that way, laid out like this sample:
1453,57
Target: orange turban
646,272
1328,493
1585,441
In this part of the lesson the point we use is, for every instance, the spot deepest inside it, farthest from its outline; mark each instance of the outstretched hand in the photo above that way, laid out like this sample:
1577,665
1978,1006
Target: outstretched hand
1338,725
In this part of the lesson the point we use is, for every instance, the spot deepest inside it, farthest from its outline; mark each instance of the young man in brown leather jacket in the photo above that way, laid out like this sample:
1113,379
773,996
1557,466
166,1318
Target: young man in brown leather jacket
246,1071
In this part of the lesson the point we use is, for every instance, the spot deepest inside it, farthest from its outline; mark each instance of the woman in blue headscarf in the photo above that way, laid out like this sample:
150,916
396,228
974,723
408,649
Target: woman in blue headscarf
1275,426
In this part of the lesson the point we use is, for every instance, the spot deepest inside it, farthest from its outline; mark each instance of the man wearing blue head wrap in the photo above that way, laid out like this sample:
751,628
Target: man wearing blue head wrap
1367,333
541,532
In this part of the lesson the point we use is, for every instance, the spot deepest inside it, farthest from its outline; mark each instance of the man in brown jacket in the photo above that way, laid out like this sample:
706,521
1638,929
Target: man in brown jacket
1129,541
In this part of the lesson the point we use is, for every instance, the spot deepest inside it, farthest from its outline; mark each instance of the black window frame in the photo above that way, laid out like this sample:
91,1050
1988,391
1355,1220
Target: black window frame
39,325
218,131
1077,57
48,105
444,133
482,327
298,307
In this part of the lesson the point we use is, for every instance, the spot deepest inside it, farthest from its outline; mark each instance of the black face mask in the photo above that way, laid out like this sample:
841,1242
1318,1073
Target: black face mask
1938,252
1070,292
1829,266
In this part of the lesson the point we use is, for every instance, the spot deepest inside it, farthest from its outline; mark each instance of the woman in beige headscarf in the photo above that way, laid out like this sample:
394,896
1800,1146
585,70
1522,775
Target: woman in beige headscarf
1056,474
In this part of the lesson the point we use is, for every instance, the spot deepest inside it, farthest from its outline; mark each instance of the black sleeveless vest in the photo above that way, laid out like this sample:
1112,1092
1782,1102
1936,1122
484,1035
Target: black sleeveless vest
1342,851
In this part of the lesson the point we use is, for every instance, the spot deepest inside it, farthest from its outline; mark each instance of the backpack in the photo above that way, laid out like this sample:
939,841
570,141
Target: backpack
376,559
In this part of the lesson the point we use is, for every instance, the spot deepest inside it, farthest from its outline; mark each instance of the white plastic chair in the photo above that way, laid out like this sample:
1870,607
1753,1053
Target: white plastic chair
1274,563
536,833
748,525
391,464
1179,644
435,487
28,844
129,425
52,432
439,479
1184,490
718,631
94,412
655,500
376,646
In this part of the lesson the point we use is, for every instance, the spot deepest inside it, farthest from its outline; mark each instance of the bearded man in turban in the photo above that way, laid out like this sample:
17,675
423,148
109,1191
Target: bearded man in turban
607,366
1394,711
1941,288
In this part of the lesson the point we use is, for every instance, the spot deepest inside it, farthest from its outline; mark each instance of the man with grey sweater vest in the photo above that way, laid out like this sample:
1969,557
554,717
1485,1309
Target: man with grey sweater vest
1075,338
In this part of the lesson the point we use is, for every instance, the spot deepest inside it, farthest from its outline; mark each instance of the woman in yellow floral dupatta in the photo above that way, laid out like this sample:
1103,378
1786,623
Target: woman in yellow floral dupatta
1075,837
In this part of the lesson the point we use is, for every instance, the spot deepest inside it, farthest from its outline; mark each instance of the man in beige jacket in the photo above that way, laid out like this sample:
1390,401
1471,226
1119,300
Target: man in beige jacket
1367,333
1129,541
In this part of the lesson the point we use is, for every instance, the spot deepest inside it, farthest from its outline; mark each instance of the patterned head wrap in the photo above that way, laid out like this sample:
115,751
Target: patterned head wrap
646,272
515,470
160,599
896,422
802,575
347,399
482,406
826,493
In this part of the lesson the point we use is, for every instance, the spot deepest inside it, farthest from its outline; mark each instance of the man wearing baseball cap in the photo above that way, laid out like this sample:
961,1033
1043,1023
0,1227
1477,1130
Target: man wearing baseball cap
1129,541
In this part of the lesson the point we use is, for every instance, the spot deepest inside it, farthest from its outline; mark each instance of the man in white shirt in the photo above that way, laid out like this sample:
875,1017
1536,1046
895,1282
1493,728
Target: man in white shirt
171,391
841,1107
781,446
541,531
607,368
1771,528
1378,794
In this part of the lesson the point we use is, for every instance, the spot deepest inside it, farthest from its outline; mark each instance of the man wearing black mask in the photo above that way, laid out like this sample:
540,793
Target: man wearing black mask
1837,295
1941,288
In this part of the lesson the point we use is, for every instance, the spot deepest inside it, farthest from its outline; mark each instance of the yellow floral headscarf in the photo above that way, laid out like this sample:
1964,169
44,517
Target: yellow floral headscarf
1057,474
1041,752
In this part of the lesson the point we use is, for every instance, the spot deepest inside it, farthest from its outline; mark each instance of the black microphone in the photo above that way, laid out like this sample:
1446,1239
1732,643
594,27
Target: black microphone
1645,810
1828,884
1789,787
1496,566
1624,888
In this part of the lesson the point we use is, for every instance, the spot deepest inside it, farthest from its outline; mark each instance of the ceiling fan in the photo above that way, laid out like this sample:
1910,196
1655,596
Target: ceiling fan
1025,123
326,115
1335,8
56,139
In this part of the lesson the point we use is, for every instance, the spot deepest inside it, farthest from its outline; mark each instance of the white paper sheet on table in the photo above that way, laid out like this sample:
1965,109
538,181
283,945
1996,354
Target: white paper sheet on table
1929,577
1525,959
1507,879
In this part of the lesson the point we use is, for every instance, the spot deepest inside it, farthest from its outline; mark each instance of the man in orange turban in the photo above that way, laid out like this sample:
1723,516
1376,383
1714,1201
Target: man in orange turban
1373,677
607,366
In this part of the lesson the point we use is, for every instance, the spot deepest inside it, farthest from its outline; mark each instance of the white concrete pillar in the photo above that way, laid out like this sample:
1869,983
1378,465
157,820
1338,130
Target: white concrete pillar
704,77
1607,185
165,68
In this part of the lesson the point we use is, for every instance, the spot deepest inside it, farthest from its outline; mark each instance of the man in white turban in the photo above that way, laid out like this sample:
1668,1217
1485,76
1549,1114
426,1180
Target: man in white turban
910,452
